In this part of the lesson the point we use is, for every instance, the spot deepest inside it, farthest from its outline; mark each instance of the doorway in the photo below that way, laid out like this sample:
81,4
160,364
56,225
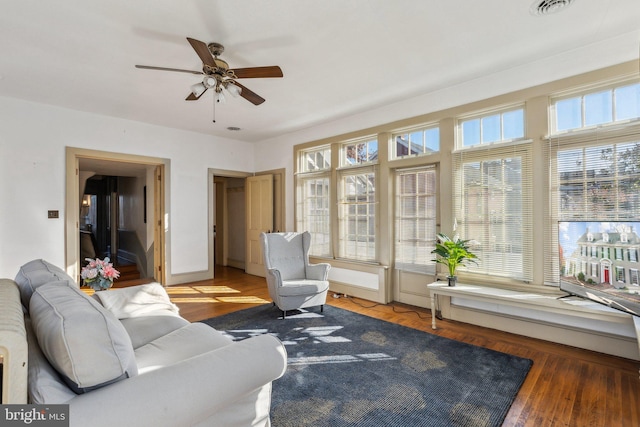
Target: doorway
118,200
229,207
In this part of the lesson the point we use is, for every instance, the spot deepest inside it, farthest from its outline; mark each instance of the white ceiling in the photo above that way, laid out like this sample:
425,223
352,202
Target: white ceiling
339,58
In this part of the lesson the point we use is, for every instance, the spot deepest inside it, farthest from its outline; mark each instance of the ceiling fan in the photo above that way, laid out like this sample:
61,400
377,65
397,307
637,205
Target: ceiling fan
219,77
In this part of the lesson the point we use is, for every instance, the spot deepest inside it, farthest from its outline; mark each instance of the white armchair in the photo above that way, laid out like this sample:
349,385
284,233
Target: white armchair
293,282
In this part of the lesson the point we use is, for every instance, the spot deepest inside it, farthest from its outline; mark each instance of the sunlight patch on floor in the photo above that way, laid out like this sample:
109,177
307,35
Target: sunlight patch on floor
216,290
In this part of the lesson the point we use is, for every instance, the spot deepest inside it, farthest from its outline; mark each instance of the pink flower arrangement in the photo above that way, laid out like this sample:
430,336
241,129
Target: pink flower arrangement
99,274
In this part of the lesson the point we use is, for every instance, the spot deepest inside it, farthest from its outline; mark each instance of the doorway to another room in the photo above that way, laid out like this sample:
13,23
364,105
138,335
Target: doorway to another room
115,208
244,205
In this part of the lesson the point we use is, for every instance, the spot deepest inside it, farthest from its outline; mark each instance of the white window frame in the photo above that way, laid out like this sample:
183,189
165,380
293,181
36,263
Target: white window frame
406,134
485,115
580,95
351,150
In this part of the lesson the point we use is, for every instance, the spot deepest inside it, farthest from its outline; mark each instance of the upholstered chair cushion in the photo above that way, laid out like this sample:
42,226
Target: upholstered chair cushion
82,340
286,252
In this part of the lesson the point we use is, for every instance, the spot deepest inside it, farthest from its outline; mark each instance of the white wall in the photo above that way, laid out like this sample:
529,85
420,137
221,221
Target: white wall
33,138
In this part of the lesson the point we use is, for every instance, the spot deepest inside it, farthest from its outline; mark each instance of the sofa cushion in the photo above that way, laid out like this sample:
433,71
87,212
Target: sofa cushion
45,385
143,330
82,340
137,301
181,344
37,273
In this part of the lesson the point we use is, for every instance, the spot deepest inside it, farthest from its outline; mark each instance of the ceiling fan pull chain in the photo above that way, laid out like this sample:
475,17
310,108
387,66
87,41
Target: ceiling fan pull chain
214,107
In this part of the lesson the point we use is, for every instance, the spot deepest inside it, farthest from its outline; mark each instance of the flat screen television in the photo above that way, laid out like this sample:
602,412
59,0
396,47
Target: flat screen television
599,260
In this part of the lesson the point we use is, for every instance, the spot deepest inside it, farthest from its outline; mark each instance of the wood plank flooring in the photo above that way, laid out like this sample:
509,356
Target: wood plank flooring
566,386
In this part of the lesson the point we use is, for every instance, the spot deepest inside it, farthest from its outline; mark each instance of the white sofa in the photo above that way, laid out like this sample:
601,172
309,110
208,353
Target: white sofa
126,358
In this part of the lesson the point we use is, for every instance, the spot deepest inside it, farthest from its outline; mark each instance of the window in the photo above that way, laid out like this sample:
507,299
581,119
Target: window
633,276
493,205
357,214
415,219
313,213
620,274
593,177
416,142
594,270
360,152
597,108
599,181
495,127
313,197
619,254
315,160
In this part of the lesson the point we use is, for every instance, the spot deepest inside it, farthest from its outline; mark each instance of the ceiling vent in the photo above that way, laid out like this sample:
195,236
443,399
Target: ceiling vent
547,7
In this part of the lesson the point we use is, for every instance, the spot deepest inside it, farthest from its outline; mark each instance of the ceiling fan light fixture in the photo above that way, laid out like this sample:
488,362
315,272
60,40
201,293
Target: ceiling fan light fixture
233,89
198,89
210,82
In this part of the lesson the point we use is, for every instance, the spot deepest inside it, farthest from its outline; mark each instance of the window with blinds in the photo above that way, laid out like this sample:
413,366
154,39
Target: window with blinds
415,219
313,212
312,198
357,214
592,176
492,195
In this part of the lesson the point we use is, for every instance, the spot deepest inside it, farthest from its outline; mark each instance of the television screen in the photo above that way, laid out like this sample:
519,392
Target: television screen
599,260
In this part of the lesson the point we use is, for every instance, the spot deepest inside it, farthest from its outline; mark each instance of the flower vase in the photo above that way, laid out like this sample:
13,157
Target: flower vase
452,280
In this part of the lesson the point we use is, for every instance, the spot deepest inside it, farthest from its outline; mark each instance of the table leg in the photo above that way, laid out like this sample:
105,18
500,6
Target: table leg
433,309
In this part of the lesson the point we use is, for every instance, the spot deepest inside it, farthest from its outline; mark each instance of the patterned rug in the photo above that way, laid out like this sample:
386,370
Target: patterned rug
346,369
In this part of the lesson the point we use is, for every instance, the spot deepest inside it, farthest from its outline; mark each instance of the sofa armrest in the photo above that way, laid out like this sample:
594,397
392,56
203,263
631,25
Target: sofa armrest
318,271
13,345
185,393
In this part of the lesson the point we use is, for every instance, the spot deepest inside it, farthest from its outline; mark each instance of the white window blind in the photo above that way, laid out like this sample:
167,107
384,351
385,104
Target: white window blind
492,196
595,176
415,219
357,214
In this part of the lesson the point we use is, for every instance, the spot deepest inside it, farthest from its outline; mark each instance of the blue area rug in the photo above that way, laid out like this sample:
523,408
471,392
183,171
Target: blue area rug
346,369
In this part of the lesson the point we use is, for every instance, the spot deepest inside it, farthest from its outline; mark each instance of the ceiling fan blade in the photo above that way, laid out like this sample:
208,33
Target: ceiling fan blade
249,95
203,52
258,72
148,67
192,97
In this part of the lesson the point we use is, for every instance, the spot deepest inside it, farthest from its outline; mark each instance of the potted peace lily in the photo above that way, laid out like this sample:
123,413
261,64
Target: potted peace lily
453,253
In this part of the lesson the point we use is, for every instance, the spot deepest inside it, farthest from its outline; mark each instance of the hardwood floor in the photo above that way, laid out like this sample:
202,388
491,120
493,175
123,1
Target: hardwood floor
566,386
